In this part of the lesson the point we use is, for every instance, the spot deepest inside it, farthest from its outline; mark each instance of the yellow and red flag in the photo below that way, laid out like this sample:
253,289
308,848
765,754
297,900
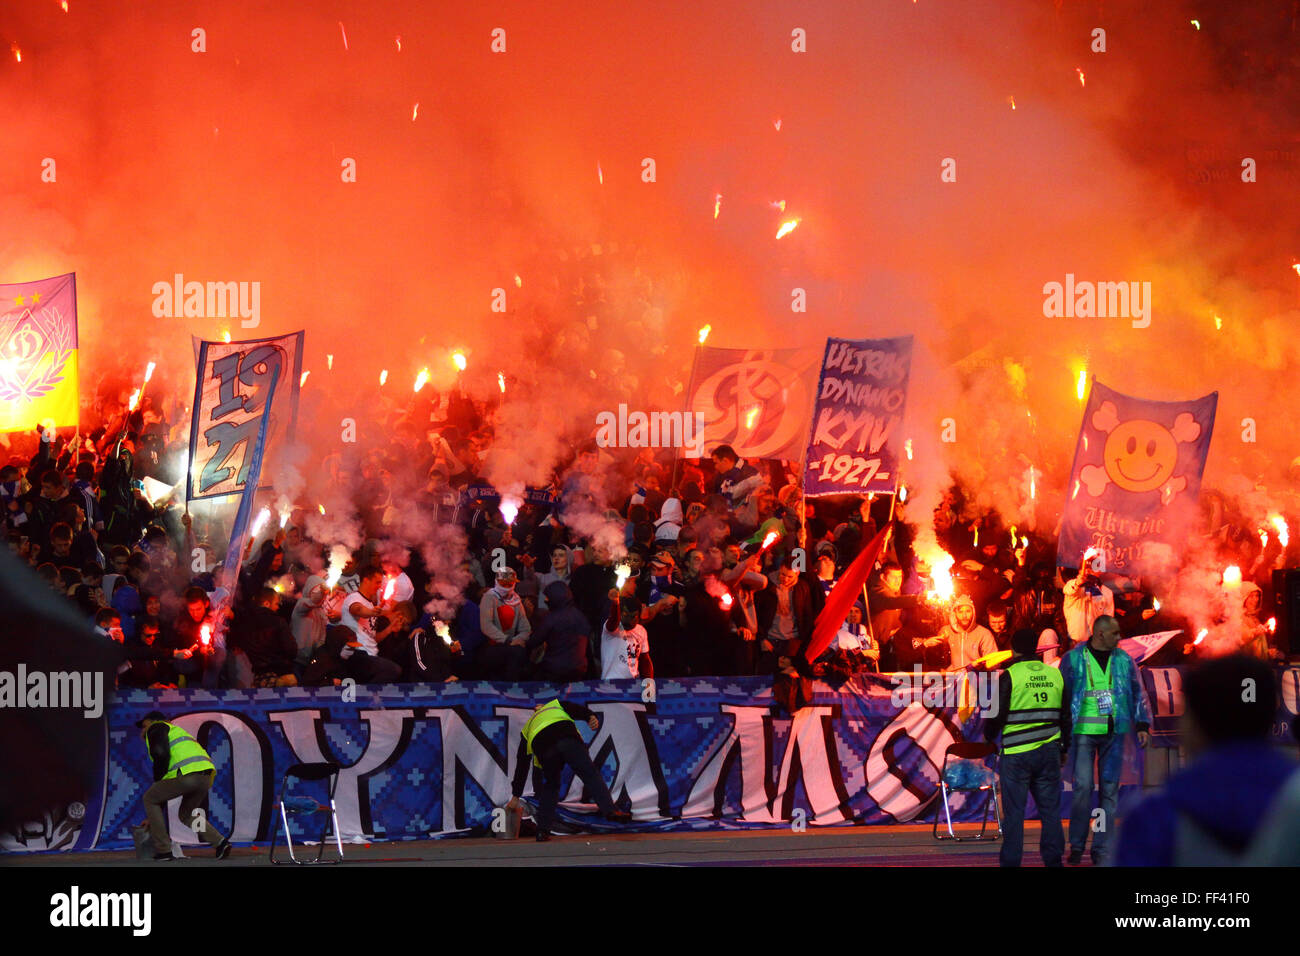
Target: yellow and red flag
38,353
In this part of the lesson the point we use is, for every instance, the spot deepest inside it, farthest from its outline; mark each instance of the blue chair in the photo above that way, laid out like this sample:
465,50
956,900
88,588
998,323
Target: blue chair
962,775
297,804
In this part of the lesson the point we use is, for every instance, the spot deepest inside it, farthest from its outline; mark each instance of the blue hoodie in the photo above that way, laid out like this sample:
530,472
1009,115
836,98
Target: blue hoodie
1224,792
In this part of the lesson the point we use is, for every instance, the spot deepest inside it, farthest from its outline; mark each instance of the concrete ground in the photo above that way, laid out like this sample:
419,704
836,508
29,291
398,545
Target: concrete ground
837,846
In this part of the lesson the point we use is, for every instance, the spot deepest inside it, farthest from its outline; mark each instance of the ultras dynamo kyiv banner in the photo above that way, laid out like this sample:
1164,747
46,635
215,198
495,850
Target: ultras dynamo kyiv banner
858,417
1135,481
38,353
233,383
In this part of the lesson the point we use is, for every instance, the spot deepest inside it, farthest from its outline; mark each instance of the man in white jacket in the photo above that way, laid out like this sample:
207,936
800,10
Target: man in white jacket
1086,599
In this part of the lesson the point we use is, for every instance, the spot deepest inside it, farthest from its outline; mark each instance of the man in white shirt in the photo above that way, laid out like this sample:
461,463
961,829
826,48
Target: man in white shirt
359,610
624,644
1086,599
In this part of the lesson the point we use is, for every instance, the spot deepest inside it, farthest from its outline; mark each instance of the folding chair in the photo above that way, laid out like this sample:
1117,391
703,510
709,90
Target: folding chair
986,779
303,805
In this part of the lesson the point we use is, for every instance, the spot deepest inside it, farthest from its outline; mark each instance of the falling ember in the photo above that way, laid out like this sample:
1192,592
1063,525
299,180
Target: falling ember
225,335
1196,23
977,536
399,43
18,54
415,111
787,227
148,372
704,333
1081,80
501,382
519,283
907,447
1085,442
422,379
1218,322
1075,493
777,123
321,508
778,205
302,379
1283,534
600,174
717,204
510,509
1012,101
1081,386
1200,637
902,493
345,35
1296,267
329,362
751,416
621,574
458,359
64,5
383,376
1024,541
1033,487
1013,536
1232,576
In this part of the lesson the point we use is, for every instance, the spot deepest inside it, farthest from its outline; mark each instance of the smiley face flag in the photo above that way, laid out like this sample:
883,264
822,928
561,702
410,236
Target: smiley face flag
1135,481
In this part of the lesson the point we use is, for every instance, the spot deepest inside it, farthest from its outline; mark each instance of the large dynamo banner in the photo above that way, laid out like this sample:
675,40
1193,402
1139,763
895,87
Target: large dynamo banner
1135,481
233,382
432,760
858,417
756,400
38,353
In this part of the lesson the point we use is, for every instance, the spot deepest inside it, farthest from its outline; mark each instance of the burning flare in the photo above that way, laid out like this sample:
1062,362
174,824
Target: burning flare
302,379
501,382
1232,576
442,630
458,359
771,538
1283,534
329,362
787,227
1081,386
383,377
941,577
704,332
717,204
621,574
510,509
263,517
422,379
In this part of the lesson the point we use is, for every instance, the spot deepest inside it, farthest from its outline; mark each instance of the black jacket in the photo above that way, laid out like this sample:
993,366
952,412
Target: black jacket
566,633
545,741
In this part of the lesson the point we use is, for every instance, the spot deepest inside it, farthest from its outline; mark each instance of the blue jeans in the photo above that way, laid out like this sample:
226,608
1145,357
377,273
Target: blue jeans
1038,770
1108,750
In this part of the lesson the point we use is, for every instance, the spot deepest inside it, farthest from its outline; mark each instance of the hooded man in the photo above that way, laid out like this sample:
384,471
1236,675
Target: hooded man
967,641
1254,632
669,524
564,632
309,620
506,627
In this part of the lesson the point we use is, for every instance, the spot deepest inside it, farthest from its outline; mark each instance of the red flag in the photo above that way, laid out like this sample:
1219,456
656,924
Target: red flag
842,596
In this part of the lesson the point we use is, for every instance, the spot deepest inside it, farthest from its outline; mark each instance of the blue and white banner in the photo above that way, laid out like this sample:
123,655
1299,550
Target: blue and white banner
433,760
858,417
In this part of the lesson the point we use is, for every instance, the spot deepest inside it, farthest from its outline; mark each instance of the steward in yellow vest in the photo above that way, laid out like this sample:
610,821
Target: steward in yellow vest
1033,719
181,768
548,741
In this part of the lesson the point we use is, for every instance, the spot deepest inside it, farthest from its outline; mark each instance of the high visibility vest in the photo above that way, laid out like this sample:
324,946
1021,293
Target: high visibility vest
185,753
552,713
1091,719
1035,715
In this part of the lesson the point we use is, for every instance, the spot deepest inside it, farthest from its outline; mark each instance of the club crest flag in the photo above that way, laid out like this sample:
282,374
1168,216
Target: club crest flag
231,395
857,421
1135,481
38,353
755,400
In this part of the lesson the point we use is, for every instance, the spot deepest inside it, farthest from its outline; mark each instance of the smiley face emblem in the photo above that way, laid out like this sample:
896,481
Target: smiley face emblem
1140,455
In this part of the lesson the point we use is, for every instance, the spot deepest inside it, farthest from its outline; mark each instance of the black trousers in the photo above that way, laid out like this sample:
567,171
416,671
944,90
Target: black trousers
546,781
1039,771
